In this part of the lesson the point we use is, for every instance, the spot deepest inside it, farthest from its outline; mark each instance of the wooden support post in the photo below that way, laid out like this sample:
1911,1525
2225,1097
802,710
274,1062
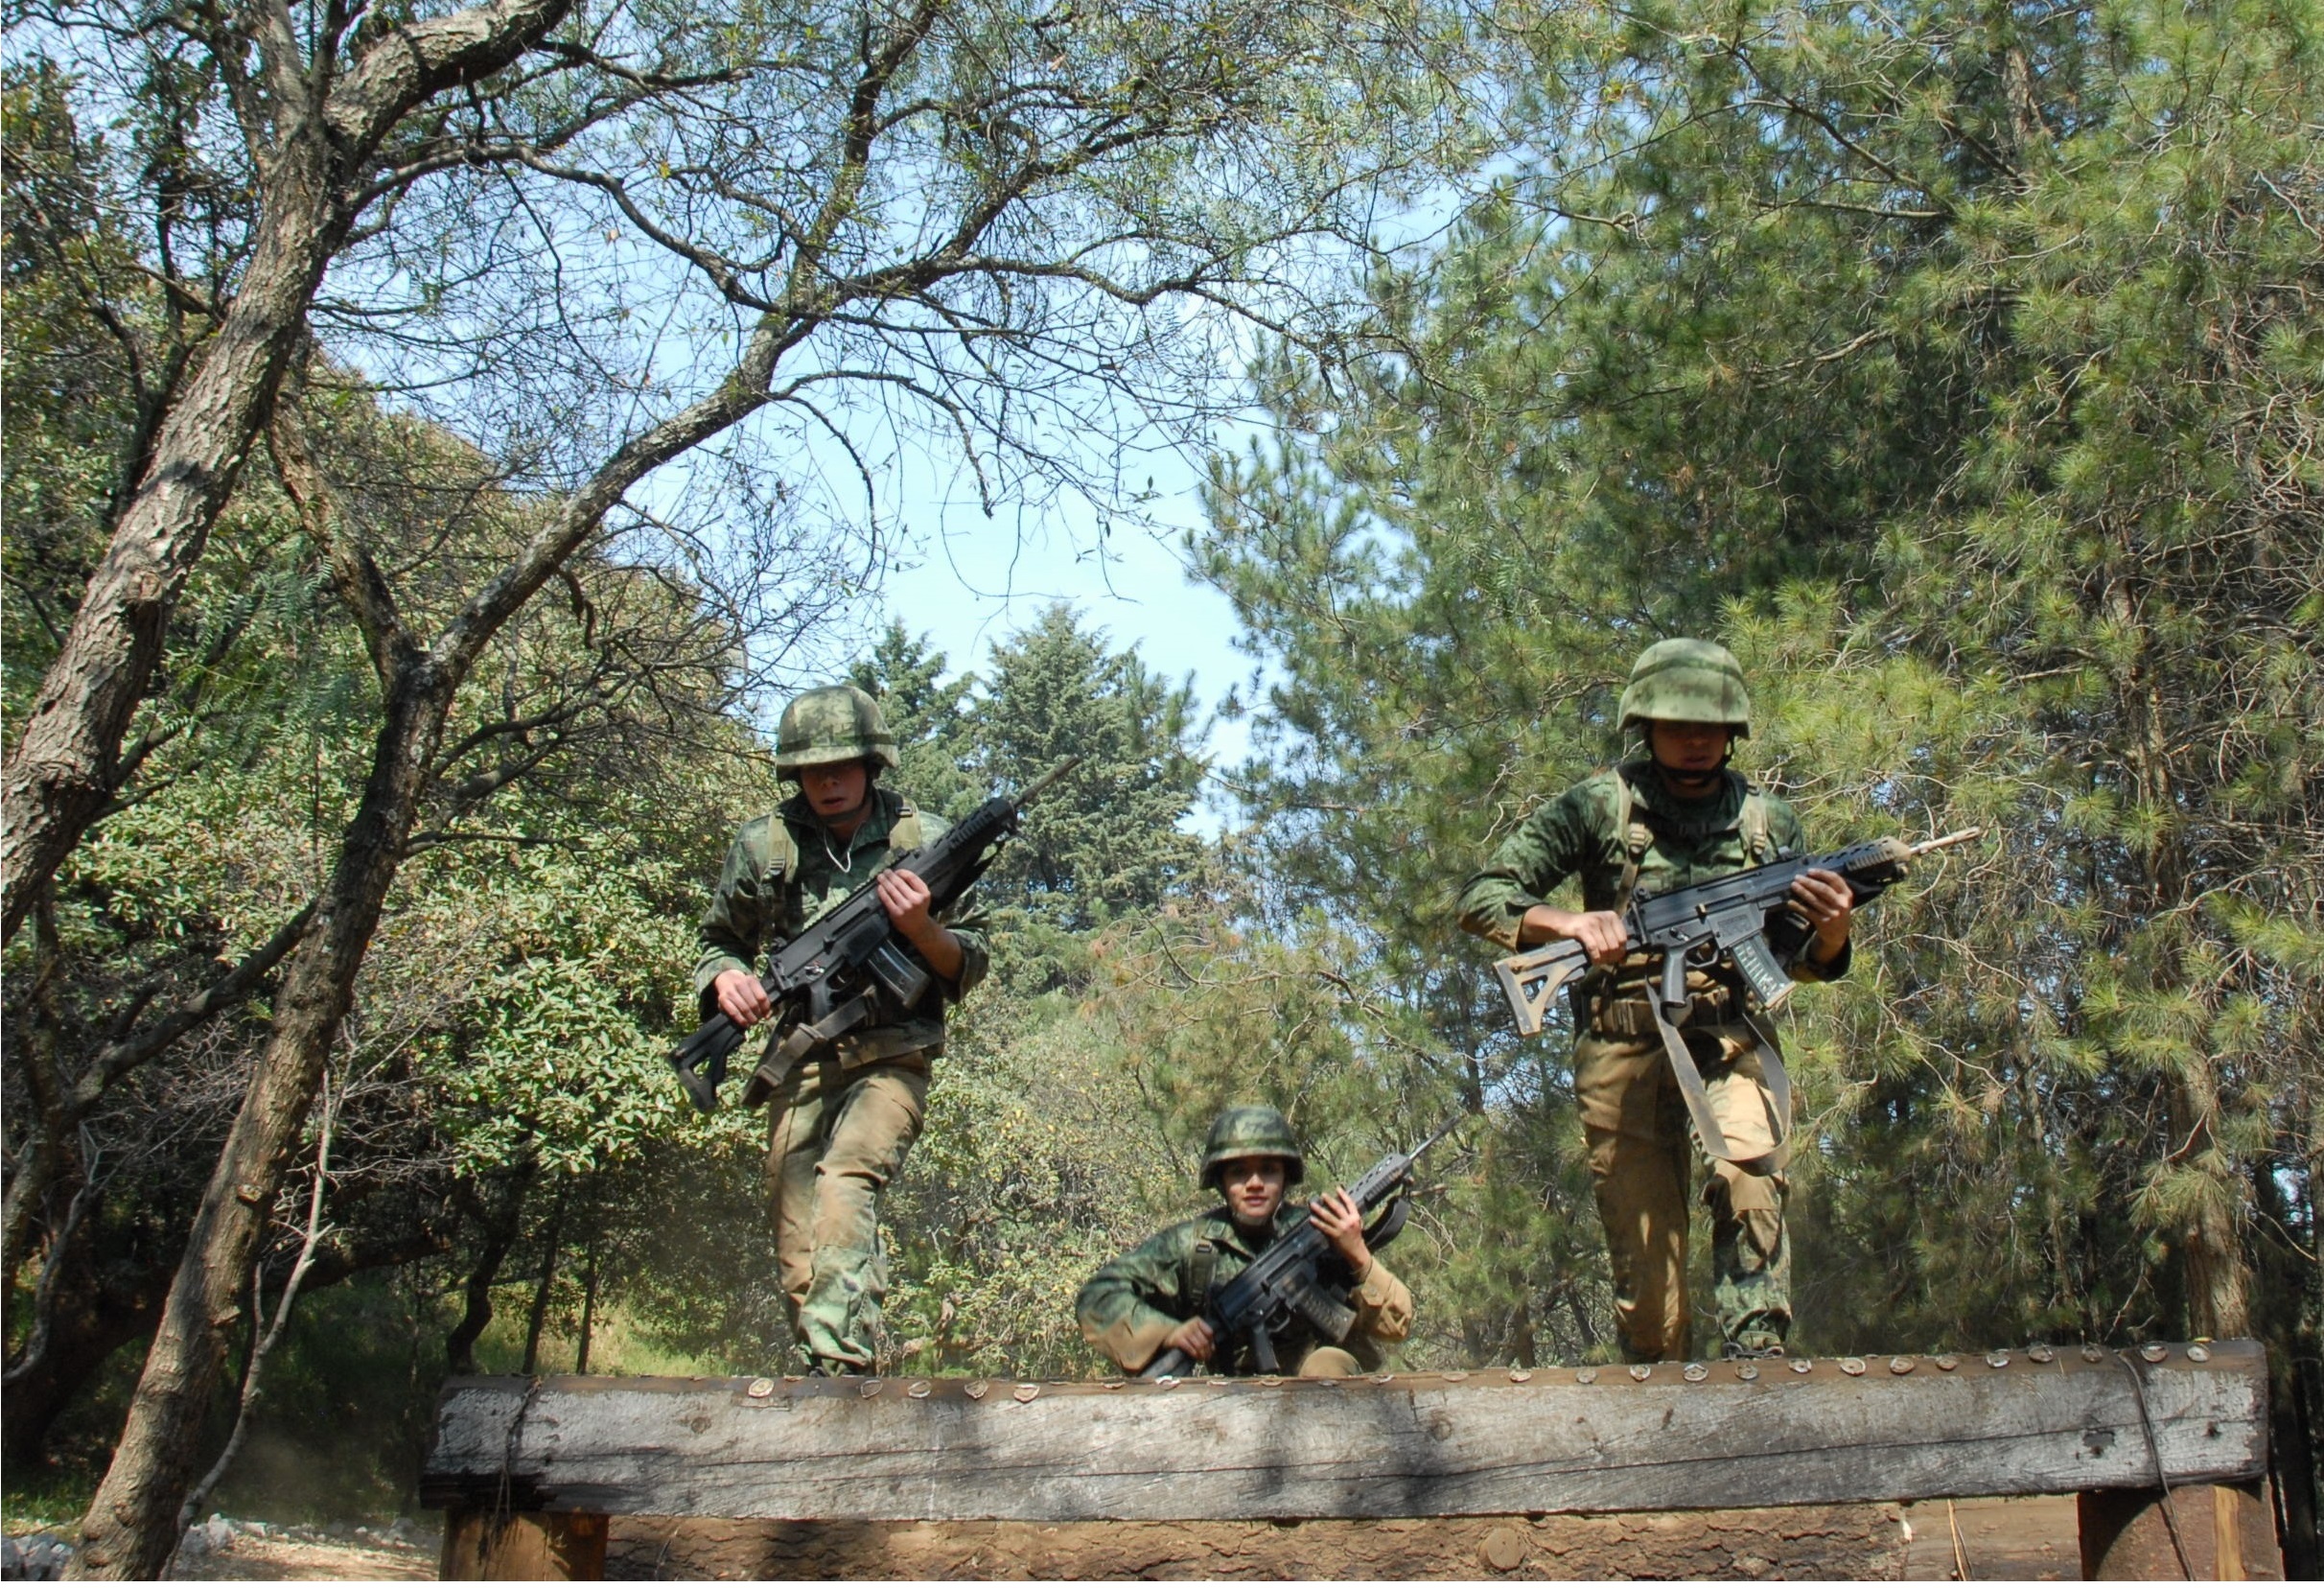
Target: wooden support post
2226,1533
522,1547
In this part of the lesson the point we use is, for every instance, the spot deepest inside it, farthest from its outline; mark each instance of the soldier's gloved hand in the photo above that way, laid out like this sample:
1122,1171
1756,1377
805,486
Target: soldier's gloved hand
1341,1221
1192,1337
741,999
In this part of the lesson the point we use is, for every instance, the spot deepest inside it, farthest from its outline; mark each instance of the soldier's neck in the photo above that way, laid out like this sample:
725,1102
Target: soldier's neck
1694,787
846,826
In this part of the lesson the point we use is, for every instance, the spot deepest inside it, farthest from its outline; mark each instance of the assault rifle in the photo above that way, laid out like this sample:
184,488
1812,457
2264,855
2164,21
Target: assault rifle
827,981
1747,918
1286,1281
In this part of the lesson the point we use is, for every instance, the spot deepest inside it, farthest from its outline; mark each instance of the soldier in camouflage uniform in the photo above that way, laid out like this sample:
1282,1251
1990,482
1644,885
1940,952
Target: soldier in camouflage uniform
848,1112
1151,1299
1675,818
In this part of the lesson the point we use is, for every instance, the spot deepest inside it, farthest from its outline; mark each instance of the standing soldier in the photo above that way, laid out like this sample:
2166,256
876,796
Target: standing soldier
1151,1300
848,1112
1675,818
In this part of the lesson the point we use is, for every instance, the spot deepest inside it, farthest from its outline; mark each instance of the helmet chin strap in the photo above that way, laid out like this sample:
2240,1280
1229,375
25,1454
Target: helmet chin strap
1691,785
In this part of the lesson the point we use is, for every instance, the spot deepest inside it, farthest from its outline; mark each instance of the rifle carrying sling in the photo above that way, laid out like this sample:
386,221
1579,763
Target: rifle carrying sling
1724,1003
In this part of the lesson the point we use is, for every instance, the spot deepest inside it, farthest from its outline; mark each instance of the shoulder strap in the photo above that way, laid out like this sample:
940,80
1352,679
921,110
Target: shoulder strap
906,833
781,848
1201,1267
1636,839
1758,847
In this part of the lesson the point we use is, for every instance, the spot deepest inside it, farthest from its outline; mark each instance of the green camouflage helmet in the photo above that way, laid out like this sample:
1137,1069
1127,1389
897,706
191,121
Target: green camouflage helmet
1251,1129
837,723
1688,681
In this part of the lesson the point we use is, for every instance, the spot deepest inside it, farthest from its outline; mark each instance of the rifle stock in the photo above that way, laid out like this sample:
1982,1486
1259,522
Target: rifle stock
1745,918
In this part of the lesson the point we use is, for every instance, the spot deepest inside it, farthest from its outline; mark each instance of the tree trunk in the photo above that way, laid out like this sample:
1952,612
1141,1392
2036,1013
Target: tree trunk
130,1528
65,765
500,1234
2217,1272
95,1316
63,769
589,1307
537,1318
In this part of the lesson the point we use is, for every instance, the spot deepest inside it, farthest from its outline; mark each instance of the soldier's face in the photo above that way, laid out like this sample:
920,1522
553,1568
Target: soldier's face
835,792
1689,749
1254,1188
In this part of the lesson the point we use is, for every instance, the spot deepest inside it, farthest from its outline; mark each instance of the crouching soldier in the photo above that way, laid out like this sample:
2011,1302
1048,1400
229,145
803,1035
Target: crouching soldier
1151,1300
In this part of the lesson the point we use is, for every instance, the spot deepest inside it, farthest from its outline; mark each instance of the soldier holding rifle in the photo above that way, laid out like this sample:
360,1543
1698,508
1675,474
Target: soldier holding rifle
1677,817
846,1112
1153,1301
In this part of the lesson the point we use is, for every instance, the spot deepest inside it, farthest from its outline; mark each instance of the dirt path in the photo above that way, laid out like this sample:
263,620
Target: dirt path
291,1559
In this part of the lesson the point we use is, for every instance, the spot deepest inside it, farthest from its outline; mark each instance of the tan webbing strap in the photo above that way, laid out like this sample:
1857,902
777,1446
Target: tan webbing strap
1759,847
784,847
1689,1077
1636,838
1201,1270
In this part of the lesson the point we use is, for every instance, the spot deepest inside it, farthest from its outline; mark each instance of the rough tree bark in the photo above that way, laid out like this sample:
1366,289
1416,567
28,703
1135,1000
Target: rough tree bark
129,1532
330,128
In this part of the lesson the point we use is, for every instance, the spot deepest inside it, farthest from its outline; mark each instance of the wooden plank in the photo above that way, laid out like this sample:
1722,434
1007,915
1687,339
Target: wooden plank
1485,1443
485,1546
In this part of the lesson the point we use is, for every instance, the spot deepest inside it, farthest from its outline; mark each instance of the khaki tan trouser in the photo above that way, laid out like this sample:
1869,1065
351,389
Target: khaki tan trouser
837,1136
1641,1159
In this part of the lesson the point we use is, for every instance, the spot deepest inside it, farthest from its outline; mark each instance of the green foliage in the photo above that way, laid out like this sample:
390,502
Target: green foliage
1956,369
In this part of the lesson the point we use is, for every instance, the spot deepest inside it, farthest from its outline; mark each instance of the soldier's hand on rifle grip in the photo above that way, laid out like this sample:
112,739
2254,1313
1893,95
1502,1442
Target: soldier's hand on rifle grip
1192,1337
1599,932
741,999
906,900
1830,905
1341,1221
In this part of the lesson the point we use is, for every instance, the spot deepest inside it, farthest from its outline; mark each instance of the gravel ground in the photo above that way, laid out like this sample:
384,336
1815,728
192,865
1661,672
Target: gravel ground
224,1551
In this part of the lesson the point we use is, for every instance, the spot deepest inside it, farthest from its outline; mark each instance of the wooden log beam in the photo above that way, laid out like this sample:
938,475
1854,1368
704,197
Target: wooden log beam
1491,1442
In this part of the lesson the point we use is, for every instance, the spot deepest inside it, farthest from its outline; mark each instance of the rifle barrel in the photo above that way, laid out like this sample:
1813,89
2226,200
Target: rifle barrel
1966,835
1040,784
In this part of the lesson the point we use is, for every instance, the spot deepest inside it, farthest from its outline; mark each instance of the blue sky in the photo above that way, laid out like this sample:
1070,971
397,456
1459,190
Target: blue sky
972,580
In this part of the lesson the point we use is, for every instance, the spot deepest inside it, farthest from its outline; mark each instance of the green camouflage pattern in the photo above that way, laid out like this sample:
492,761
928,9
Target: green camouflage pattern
752,912
1578,834
1251,1129
836,1140
1129,1306
1641,1152
838,723
1688,681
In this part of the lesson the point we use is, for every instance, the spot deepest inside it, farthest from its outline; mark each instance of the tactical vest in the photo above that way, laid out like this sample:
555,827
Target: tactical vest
1636,835
905,834
783,849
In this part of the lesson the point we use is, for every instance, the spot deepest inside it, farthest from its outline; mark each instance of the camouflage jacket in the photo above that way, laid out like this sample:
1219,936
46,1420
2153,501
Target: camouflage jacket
1675,843
756,910
1129,1306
